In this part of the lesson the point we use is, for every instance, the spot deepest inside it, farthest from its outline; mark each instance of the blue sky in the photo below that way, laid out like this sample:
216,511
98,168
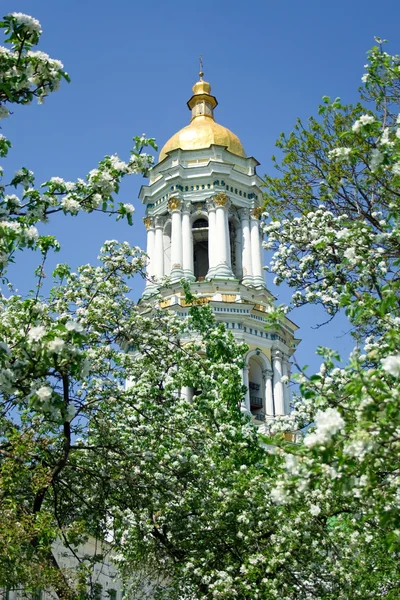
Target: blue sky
132,66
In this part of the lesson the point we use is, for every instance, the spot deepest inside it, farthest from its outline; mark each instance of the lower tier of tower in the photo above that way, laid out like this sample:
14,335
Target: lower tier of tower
266,371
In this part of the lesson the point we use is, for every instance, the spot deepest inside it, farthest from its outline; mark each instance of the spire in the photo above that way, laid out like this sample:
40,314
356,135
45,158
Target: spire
202,103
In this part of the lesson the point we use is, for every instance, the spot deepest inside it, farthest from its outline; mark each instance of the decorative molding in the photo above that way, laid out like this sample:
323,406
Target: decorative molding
256,212
187,206
221,199
148,222
159,222
267,373
277,354
210,204
174,203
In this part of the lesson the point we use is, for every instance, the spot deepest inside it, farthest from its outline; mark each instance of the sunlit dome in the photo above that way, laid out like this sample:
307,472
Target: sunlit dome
203,131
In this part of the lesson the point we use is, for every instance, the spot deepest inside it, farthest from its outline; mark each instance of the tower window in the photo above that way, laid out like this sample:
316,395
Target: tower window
256,387
200,248
200,224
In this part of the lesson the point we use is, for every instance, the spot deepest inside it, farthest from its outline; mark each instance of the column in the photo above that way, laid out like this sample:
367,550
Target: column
245,380
176,238
286,387
187,243
150,244
246,248
258,273
238,252
222,243
269,397
228,239
187,393
211,239
278,386
158,263
167,251
150,285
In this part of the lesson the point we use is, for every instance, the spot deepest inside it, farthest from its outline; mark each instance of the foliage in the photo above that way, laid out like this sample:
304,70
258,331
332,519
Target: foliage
338,246
191,501
43,355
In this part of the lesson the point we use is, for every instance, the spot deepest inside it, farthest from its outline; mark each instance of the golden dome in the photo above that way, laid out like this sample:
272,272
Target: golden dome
201,87
202,131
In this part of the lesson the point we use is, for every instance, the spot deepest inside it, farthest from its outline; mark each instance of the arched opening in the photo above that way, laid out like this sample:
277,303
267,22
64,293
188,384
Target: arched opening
200,248
235,237
256,386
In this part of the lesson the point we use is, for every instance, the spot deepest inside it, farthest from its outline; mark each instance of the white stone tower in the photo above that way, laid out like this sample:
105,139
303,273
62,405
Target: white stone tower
203,208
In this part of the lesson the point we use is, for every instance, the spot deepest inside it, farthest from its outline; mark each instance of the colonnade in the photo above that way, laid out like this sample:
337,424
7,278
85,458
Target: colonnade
248,244
276,393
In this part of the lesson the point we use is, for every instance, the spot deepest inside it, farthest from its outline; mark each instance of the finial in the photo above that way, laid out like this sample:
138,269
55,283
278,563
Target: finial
201,68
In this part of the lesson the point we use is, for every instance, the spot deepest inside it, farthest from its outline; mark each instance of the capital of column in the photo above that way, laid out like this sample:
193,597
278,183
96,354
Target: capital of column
256,212
210,204
148,222
221,199
187,207
174,203
244,213
267,374
158,222
277,354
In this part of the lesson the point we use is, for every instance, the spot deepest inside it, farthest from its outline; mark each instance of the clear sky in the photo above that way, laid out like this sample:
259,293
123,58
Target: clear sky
132,66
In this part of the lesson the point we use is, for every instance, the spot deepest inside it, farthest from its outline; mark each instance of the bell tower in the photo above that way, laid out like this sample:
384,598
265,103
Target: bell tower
203,208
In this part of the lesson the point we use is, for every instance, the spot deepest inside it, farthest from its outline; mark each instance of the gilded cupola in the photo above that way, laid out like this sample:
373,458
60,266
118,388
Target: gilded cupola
203,131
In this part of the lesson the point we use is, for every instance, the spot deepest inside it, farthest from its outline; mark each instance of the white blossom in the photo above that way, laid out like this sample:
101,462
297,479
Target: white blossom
327,423
118,164
31,233
13,200
391,364
70,205
385,140
28,22
396,169
44,393
74,326
57,180
350,254
56,345
36,333
362,122
129,208
315,510
340,153
376,159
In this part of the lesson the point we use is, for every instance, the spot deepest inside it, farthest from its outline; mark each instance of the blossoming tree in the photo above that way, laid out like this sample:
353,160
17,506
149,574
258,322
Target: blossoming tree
194,505
80,452
333,225
319,519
